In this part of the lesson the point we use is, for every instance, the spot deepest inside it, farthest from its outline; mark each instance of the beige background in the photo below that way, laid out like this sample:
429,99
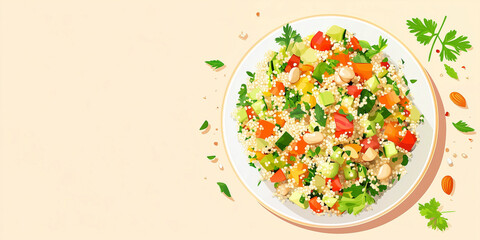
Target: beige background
101,102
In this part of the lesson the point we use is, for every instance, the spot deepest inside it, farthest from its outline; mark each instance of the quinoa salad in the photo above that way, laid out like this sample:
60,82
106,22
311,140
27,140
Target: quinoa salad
327,120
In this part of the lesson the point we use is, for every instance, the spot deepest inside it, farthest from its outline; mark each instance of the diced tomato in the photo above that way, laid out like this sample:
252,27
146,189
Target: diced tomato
363,70
298,147
320,42
314,205
279,120
389,99
385,64
407,113
355,44
404,101
408,141
277,88
278,176
336,184
393,132
294,61
265,129
371,142
340,133
353,90
341,57
335,207
342,123
250,112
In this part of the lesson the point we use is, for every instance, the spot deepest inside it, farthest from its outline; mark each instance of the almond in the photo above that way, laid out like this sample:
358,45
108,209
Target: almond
447,184
458,99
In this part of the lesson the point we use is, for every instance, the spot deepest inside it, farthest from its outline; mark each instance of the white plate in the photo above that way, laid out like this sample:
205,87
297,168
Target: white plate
424,99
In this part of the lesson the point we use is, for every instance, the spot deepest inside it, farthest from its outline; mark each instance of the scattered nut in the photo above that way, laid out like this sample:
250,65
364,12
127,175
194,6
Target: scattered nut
384,172
458,99
283,189
313,138
294,75
447,184
346,74
338,80
353,153
369,155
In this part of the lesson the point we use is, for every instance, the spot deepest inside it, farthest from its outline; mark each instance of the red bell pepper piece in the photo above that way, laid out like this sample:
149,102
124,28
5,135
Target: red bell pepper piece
294,61
250,112
265,129
277,88
393,132
336,184
314,205
385,64
355,44
408,141
353,90
320,43
278,176
371,142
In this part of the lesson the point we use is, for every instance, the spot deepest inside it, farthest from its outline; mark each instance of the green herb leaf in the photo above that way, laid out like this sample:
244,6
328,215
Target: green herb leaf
413,80
224,189
215,63
457,44
211,157
287,36
204,125
382,44
360,58
252,164
405,160
370,99
242,96
297,112
430,211
423,31
364,44
463,126
350,117
320,116
451,72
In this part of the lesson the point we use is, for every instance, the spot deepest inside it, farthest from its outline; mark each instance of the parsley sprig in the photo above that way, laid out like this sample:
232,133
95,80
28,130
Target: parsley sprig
451,44
288,34
430,211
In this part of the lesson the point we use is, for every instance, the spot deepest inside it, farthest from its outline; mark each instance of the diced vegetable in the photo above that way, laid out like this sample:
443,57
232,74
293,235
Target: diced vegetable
315,205
284,141
363,70
353,90
241,115
408,141
330,201
267,162
250,112
342,124
371,142
279,120
278,176
278,88
336,33
258,106
265,130
355,44
326,98
392,131
389,99
342,58
320,43
390,149
329,170
299,147
294,61
297,197
336,185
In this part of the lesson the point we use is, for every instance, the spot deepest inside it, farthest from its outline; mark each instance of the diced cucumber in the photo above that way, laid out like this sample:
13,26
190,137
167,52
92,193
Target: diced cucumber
258,106
414,114
255,94
284,141
330,201
371,130
267,162
299,48
241,115
330,170
261,143
390,149
382,73
336,33
372,84
319,182
347,101
297,198
309,56
337,156
326,98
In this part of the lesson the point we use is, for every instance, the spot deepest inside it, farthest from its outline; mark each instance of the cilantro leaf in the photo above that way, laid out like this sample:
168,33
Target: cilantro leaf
215,63
463,126
242,96
364,44
382,44
424,31
350,118
451,72
292,97
287,35
204,125
359,58
395,88
457,44
320,116
366,96
430,211
251,75
224,189
297,112
427,30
